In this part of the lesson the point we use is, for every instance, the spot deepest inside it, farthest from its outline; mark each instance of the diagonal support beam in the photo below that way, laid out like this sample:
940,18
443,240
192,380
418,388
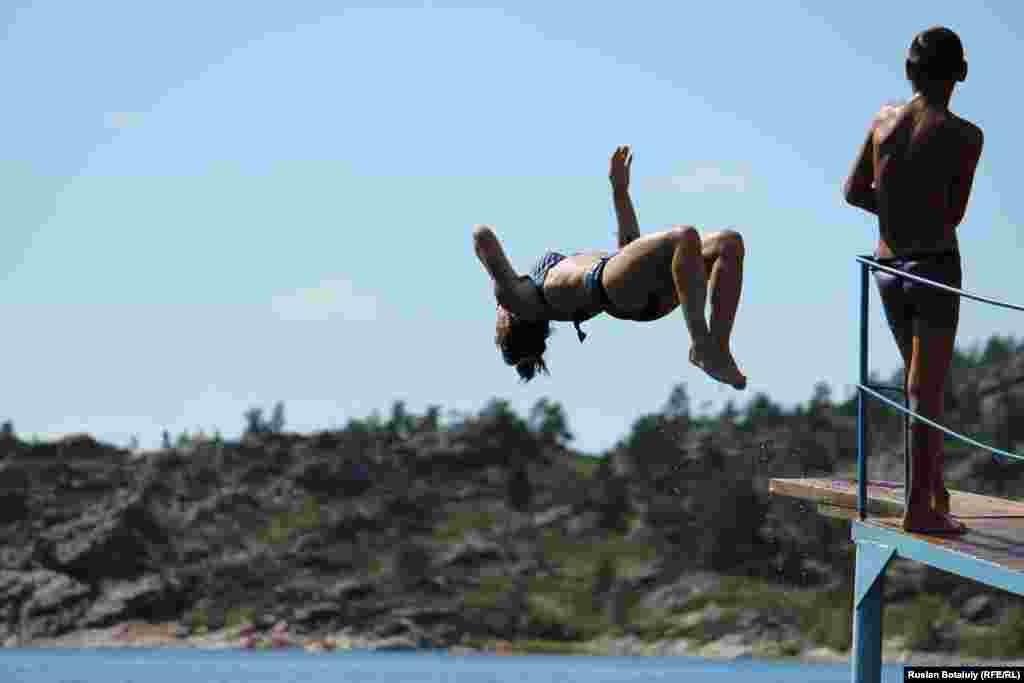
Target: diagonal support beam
868,591
872,559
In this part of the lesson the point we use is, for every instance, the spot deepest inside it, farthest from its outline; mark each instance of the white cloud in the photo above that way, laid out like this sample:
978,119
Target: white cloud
121,120
329,300
703,178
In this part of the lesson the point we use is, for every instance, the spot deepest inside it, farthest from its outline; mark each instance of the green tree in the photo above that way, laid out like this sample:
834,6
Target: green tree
499,414
401,423
548,421
761,412
431,420
277,421
729,413
678,404
504,436
820,404
254,423
998,350
651,447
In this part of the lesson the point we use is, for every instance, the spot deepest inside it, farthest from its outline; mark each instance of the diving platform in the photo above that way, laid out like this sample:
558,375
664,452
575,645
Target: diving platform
991,552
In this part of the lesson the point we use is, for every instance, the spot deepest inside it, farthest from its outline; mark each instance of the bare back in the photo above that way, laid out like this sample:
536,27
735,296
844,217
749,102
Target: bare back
924,159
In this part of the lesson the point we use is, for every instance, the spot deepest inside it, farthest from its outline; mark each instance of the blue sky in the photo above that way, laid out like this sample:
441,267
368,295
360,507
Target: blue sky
216,205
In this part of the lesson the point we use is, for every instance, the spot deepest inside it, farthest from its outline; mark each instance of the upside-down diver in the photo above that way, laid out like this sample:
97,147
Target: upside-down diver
646,279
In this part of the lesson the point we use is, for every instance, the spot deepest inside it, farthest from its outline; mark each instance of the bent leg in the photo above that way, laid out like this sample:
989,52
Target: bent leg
666,264
670,264
723,254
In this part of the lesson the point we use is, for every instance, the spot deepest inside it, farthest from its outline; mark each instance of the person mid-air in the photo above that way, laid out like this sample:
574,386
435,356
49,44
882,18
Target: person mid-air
915,171
646,279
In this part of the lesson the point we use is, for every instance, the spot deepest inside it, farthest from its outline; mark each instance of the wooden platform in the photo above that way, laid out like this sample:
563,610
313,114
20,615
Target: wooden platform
885,498
992,550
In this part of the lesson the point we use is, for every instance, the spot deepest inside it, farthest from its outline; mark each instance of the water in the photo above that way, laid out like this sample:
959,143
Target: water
197,666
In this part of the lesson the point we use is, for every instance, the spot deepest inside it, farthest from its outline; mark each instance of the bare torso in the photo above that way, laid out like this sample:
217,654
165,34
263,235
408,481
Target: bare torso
566,292
918,153
564,288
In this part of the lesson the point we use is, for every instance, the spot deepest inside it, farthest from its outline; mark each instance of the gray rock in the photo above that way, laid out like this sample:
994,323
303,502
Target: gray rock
265,622
318,612
473,551
110,541
583,523
123,600
676,596
350,589
979,608
14,484
422,615
396,644
42,602
552,515
39,591
17,557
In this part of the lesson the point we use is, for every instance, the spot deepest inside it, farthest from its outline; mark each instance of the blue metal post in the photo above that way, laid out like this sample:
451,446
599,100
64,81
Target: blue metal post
862,418
866,654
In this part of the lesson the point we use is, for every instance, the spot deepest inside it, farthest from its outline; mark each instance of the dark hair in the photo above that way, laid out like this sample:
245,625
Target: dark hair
523,343
935,55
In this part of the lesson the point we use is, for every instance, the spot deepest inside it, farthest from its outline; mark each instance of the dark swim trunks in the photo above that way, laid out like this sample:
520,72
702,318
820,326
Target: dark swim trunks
907,300
594,285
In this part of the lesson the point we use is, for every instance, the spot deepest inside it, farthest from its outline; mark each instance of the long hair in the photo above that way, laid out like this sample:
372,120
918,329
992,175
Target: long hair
523,343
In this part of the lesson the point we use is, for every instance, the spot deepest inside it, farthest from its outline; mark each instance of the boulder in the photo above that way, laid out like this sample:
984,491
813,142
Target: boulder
979,608
473,551
41,602
317,613
109,541
147,598
676,596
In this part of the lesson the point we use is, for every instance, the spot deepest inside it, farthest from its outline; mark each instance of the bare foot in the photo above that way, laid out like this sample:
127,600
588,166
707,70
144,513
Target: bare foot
719,365
930,522
940,501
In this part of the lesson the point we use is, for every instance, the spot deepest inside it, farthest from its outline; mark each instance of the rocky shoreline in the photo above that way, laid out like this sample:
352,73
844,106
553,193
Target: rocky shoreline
139,635
481,536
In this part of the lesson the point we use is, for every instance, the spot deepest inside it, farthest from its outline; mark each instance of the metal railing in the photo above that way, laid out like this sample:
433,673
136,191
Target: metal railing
865,389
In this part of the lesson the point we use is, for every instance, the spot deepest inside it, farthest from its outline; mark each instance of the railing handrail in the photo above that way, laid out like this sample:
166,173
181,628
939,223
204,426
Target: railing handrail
936,425
872,262
869,263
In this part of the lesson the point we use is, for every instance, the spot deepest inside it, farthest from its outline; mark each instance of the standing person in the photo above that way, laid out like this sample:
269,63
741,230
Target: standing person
646,279
915,171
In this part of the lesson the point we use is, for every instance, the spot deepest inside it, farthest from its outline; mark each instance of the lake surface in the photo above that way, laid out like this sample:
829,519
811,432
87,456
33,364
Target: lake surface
198,666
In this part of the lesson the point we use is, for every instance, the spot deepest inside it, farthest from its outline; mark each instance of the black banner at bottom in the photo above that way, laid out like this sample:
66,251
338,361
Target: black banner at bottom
963,673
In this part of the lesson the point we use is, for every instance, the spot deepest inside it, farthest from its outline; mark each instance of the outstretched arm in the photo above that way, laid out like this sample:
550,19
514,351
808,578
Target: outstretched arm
488,250
514,292
859,188
618,174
